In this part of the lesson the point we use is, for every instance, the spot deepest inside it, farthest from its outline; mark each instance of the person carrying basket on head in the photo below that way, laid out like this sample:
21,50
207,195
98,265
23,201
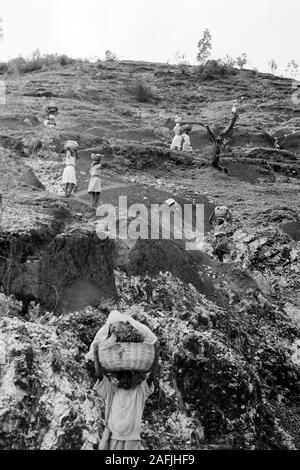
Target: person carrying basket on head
69,173
95,181
125,393
221,218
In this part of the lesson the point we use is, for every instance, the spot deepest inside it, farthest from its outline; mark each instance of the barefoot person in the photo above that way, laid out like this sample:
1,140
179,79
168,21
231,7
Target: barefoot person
69,174
95,181
125,400
177,141
220,240
186,146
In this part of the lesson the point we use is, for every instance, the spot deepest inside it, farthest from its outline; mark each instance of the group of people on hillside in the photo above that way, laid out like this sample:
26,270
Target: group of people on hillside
181,141
126,392
69,179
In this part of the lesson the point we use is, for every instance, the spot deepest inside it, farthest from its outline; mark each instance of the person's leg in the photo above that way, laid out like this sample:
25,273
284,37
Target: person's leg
220,255
71,187
97,199
66,189
132,445
93,199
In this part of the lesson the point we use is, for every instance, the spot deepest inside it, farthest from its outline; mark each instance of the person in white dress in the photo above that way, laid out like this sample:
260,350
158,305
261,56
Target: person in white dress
186,147
177,141
69,174
95,181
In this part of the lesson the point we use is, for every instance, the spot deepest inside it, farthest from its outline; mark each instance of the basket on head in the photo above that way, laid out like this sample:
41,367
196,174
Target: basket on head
221,211
71,144
127,356
187,128
96,157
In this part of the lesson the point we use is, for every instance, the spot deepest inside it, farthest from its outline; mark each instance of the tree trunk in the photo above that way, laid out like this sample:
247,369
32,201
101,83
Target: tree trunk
216,156
217,142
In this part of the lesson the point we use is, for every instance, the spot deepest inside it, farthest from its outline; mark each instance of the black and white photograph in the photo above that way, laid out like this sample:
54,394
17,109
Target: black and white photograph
150,228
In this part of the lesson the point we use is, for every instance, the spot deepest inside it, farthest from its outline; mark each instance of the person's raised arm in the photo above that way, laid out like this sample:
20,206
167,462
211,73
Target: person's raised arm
98,367
153,371
211,217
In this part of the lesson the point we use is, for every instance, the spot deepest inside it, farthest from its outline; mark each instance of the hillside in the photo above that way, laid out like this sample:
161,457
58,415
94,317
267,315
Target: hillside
230,374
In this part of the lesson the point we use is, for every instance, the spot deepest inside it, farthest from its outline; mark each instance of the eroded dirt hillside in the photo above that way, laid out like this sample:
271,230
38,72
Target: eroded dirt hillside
230,334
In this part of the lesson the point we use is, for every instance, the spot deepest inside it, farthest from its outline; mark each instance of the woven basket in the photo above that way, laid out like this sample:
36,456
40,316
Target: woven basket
71,144
127,356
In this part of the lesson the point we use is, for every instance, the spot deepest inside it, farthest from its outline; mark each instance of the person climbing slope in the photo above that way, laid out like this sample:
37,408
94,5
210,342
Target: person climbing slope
222,228
186,147
222,218
51,110
177,140
125,395
221,242
221,212
95,181
69,174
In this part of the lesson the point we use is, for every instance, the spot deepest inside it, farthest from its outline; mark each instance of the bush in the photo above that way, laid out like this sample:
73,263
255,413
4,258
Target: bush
110,56
242,60
142,92
32,66
36,62
3,67
22,65
212,69
64,60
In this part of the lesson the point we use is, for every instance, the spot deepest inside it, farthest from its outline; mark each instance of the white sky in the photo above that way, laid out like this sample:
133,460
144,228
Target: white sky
153,30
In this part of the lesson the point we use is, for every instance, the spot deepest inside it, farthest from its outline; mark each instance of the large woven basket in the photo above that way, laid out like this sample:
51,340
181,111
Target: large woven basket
71,144
127,356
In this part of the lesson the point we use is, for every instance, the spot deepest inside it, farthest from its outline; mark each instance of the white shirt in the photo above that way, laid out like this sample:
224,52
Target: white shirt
127,408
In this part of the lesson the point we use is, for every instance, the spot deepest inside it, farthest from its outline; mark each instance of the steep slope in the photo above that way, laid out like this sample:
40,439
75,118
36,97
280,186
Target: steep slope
230,333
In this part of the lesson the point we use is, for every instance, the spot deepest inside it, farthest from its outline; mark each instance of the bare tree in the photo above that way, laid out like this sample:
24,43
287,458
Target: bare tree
217,141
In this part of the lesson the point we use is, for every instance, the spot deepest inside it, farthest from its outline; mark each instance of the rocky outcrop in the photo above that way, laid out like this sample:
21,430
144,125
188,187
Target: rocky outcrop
46,399
222,372
65,272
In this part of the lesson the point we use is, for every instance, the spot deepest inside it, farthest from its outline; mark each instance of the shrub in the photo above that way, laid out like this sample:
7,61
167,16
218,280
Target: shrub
212,69
22,65
110,56
32,66
64,60
37,62
227,60
242,60
3,67
142,92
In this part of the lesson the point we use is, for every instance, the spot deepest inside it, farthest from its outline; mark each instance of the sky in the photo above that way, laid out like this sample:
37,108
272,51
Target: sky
153,30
